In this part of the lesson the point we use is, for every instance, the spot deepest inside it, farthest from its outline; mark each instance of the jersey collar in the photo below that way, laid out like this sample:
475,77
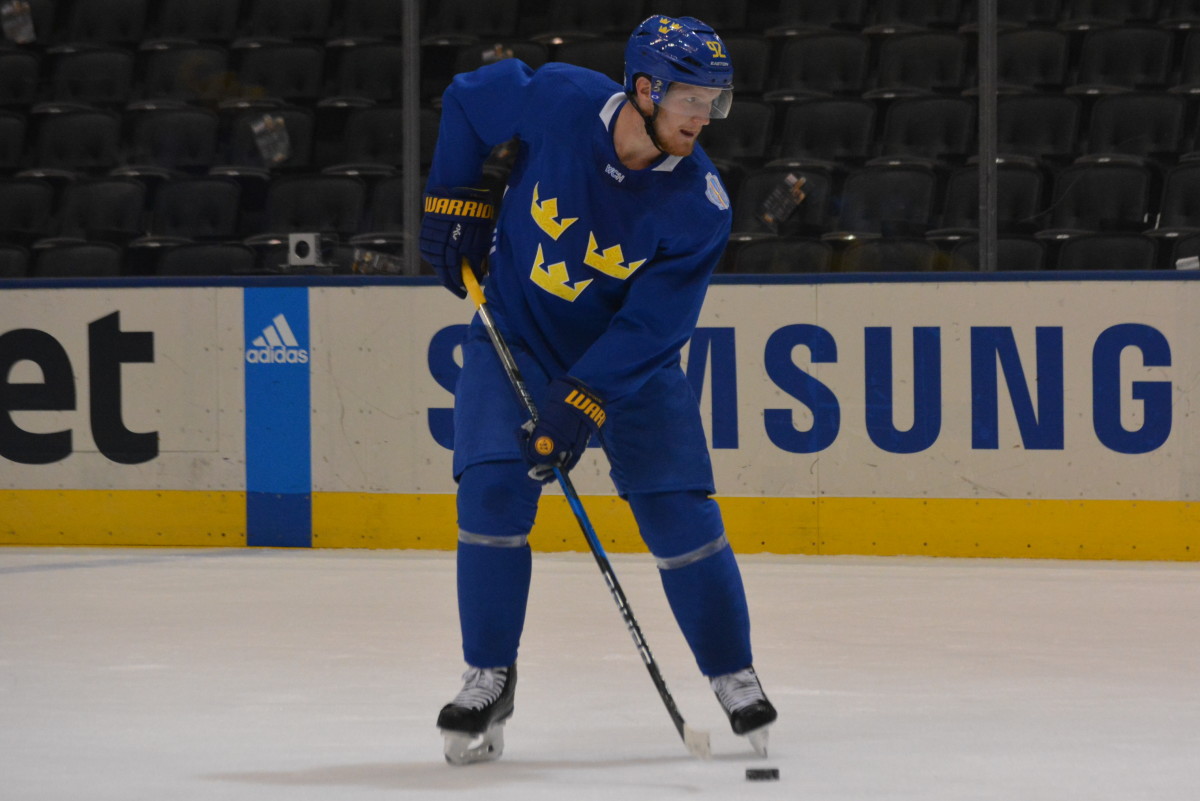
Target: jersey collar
609,113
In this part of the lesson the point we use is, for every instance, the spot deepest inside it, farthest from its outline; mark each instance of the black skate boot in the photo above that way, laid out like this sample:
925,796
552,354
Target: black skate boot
749,711
473,723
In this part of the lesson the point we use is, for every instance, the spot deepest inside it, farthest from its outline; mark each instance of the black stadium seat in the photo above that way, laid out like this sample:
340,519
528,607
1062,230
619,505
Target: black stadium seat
83,141
744,135
1094,197
1020,190
606,56
330,204
1108,251
1033,60
204,208
920,63
829,131
12,141
185,71
889,254
1179,212
803,16
886,200
1137,124
206,259
1086,15
173,138
906,16
209,21
573,20
26,210
1122,59
937,130
783,256
14,261
241,143
1042,126
822,65
103,22
78,260
19,78
286,20
1013,253
812,217
111,209
372,72
367,19
459,22
284,71
99,76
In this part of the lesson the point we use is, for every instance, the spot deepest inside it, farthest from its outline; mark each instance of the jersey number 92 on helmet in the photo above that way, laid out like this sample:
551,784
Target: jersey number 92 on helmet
686,51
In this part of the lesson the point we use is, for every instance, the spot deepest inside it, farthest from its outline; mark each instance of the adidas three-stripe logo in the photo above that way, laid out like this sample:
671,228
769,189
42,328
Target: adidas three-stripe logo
276,345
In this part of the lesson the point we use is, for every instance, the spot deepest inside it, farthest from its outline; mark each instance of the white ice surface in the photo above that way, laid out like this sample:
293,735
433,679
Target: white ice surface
167,675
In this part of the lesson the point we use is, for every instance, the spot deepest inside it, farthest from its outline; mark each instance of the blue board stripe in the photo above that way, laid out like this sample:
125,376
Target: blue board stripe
278,423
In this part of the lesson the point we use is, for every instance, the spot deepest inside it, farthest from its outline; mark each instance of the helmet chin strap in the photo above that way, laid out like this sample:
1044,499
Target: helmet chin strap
648,121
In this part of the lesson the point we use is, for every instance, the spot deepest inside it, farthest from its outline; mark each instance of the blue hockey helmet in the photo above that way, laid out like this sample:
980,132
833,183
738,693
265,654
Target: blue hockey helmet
683,50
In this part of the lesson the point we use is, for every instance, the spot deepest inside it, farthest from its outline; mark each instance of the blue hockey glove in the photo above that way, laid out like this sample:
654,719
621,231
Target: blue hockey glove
566,423
457,225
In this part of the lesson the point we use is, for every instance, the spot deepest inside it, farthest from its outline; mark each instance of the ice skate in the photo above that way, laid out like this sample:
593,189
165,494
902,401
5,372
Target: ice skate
473,723
750,713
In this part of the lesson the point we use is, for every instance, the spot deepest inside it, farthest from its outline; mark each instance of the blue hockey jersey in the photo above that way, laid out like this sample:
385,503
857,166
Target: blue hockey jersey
598,270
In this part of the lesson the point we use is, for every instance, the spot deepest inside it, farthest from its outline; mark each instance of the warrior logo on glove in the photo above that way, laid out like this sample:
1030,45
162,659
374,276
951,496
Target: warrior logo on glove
571,415
457,225
587,405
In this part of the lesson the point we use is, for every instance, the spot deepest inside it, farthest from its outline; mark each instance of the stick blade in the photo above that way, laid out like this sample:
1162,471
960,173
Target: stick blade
697,742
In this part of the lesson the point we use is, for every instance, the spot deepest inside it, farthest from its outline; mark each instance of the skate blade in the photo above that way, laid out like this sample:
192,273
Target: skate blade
697,742
758,740
462,748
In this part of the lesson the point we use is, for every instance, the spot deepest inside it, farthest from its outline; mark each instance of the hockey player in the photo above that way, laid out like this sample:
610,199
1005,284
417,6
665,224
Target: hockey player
612,223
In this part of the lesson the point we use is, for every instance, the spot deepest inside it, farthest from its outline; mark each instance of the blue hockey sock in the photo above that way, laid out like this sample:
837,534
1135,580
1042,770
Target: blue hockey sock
699,575
493,589
497,503
709,603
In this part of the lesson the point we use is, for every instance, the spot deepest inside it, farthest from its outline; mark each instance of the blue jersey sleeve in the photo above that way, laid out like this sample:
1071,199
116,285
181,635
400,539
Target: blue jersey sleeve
480,109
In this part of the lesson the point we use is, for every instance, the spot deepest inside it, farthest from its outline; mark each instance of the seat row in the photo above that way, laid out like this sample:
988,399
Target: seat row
839,63
880,200
1098,251
123,209
1102,252
195,139
1053,128
209,73
116,21
145,220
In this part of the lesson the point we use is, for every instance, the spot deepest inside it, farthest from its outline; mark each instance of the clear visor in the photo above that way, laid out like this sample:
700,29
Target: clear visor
708,102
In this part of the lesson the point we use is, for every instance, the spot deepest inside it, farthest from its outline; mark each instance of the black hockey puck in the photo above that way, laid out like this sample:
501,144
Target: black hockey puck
762,774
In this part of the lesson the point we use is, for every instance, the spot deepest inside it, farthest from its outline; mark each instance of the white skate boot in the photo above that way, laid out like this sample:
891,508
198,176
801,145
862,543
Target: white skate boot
750,713
473,723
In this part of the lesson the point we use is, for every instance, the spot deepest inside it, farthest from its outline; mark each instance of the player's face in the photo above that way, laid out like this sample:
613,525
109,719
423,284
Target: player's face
682,114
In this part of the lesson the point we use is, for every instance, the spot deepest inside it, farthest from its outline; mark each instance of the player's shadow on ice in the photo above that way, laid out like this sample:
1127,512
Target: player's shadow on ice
440,776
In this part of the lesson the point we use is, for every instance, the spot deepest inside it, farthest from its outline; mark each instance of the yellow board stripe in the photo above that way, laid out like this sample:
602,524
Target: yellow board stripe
1049,529
179,519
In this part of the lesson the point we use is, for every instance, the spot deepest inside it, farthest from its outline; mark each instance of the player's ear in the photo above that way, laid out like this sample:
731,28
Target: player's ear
642,86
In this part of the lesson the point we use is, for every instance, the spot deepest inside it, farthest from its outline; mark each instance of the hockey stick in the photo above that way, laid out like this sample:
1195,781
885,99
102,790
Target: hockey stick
696,742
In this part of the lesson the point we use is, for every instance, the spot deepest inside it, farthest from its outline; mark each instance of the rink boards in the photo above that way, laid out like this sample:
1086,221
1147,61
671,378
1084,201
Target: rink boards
953,415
